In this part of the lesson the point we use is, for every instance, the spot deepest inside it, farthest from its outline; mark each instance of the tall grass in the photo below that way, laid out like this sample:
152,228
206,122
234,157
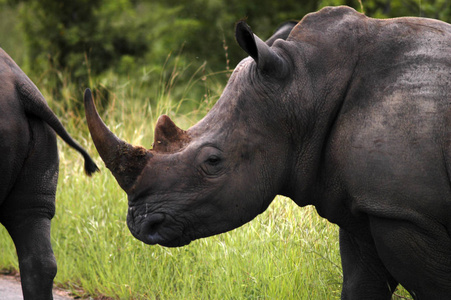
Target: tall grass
285,253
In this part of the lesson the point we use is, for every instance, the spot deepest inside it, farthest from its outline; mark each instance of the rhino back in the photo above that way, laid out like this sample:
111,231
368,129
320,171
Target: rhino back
391,136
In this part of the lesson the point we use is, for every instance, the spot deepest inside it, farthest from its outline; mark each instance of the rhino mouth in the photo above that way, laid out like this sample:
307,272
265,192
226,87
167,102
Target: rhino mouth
157,228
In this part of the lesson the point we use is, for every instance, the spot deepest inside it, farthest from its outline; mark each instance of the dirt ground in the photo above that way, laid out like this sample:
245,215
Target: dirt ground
10,289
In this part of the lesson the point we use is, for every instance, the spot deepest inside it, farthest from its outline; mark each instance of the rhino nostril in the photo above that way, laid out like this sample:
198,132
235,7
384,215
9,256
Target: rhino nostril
152,224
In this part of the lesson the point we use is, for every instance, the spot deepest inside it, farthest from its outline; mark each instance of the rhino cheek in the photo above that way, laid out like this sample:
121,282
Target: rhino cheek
219,214
133,221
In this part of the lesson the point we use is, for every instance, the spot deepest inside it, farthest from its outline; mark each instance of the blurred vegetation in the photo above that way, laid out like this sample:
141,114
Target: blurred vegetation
69,45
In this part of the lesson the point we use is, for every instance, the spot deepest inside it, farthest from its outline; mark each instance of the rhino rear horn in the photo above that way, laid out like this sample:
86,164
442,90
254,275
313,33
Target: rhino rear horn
168,137
266,58
125,161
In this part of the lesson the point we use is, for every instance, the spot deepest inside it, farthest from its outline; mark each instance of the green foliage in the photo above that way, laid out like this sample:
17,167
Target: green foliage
214,37
78,38
73,44
82,39
12,38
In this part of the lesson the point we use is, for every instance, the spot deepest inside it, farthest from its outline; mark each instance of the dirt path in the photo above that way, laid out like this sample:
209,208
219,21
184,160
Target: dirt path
10,289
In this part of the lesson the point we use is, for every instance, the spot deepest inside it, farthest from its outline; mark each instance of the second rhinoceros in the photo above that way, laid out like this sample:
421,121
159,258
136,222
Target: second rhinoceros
349,114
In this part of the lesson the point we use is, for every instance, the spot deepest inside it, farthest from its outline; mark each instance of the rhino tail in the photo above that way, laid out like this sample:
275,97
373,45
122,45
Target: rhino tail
34,103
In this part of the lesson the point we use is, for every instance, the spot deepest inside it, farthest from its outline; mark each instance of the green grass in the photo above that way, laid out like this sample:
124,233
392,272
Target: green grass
286,251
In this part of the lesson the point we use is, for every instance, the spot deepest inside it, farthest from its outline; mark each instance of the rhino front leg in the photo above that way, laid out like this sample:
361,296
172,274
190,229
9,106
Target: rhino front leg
364,275
36,259
417,253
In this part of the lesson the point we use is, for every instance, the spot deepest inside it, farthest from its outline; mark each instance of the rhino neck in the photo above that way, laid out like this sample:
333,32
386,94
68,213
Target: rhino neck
329,74
310,175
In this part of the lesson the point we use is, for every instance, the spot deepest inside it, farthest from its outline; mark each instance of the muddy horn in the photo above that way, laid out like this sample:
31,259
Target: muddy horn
168,137
124,160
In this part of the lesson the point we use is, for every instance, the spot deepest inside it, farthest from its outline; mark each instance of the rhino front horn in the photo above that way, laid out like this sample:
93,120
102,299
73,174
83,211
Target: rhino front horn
122,159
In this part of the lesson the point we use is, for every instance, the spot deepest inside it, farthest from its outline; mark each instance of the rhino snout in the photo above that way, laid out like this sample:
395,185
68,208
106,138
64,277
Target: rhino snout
157,228
150,229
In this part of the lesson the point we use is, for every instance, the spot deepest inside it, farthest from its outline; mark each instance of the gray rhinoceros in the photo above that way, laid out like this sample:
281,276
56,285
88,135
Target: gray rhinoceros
349,114
29,173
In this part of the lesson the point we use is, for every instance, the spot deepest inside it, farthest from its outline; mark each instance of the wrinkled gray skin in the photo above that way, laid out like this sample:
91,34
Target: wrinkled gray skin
349,114
29,174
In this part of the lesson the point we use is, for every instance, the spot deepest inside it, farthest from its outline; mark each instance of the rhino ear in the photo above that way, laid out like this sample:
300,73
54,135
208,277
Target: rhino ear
267,60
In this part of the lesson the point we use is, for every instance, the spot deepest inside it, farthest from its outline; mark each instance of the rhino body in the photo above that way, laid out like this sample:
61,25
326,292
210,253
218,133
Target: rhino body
349,114
29,173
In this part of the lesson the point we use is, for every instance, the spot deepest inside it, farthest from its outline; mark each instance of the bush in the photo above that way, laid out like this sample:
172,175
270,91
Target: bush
79,37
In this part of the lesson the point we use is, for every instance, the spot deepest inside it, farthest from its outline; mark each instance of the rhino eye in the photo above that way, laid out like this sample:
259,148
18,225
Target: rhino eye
213,160
210,161
213,165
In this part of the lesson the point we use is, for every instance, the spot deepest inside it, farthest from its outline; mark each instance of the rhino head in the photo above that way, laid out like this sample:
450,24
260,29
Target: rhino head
218,174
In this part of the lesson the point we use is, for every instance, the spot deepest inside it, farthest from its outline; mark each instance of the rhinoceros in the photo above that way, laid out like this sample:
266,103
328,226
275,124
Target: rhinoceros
29,174
350,114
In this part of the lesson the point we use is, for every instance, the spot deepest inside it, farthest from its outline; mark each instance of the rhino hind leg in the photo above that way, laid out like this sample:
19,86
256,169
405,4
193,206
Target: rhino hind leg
37,262
28,209
364,275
